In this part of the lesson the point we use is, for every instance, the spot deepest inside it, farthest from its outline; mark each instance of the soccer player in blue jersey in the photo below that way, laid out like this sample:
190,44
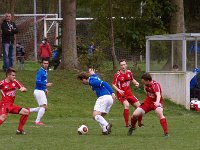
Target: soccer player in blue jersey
41,92
105,99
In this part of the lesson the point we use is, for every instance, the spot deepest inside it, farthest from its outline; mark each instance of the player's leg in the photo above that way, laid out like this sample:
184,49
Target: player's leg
136,105
3,117
24,116
4,110
42,102
36,109
126,112
97,115
163,121
41,113
101,108
138,112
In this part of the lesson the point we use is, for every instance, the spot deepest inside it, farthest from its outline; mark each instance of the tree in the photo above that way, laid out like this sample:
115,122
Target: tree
177,25
112,40
69,48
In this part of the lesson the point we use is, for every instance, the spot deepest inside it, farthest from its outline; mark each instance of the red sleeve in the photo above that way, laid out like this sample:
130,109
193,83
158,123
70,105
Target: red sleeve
156,87
115,79
18,84
131,74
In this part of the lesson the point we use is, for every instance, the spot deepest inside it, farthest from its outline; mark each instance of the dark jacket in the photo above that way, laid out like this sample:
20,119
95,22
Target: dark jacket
8,31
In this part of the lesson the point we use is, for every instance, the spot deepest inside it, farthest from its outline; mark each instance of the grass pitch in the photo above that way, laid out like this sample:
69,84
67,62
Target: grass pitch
71,104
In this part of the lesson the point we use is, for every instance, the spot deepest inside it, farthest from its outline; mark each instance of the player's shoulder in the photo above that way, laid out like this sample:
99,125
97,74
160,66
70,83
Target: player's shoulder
129,71
155,83
117,73
2,82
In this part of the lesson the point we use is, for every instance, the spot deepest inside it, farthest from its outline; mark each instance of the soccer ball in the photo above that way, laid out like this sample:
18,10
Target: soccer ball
83,129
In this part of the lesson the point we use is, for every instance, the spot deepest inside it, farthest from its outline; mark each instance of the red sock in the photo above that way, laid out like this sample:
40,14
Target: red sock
163,123
133,121
126,117
22,122
140,120
1,122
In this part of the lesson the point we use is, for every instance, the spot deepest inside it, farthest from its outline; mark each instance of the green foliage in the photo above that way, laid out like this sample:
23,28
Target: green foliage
130,25
96,60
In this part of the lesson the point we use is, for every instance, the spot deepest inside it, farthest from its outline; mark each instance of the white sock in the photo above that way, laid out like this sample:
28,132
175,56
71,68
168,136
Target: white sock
40,114
34,109
103,123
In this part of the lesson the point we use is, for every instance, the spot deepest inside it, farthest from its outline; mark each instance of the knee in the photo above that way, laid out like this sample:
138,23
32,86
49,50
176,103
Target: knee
3,117
126,105
94,116
45,107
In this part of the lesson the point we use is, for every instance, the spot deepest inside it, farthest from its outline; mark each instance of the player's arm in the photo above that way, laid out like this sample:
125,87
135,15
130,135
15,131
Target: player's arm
49,84
135,83
20,86
109,88
23,89
91,71
158,96
117,89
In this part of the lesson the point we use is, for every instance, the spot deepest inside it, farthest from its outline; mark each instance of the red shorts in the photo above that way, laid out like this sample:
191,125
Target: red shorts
6,108
128,96
148,105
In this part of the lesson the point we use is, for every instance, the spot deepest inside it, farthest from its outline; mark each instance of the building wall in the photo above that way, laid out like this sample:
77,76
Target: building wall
175,86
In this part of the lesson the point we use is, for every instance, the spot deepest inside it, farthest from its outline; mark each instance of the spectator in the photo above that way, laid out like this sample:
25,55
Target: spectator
91,49
195,86
9,29
175,68
20,52
45,50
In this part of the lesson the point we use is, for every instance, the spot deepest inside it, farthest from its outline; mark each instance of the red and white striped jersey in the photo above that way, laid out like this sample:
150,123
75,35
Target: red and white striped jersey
123,80
8,90
152,89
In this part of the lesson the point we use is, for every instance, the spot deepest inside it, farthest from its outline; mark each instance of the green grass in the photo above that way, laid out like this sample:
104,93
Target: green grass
71,104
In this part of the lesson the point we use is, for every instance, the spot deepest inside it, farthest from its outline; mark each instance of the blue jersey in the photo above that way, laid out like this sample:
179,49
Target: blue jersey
41,79
100,87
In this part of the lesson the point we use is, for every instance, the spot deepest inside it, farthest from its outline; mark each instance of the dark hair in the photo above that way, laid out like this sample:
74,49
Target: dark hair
121,60
146,77
9,71
45,59
83,75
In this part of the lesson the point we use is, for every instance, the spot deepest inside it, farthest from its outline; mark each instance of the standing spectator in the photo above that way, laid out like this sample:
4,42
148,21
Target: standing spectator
41,92
9,29
121,83
153,101
20,52
91,49
8,88
45,50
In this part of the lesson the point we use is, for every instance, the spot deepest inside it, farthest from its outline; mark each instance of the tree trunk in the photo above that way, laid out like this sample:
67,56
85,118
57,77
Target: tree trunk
177,25
112,40
69,50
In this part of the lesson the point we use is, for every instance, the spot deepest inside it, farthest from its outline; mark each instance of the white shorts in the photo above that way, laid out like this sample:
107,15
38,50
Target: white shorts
103,104
40,97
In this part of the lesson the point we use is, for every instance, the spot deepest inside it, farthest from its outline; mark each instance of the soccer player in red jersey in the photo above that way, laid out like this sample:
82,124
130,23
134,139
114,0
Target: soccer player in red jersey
153,101
8,88
121,83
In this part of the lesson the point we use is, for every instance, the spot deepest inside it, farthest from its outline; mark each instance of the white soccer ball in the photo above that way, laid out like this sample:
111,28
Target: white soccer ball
83,129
